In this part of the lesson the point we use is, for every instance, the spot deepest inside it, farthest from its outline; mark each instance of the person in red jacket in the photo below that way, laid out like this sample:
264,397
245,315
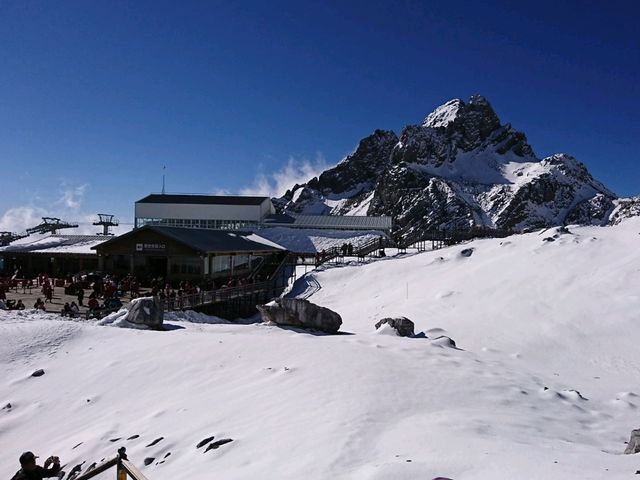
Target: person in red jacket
93,303
31,471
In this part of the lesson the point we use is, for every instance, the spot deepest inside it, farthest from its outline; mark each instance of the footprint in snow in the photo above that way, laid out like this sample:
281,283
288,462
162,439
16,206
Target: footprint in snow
215,445
155,442
202,443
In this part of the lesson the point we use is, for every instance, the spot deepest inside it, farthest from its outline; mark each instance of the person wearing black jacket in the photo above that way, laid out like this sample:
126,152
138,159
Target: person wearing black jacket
31,471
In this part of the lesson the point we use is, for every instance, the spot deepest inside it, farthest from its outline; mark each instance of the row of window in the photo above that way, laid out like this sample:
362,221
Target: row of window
196,223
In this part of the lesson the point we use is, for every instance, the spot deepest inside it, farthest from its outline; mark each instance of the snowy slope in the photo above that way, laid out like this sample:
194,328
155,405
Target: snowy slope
526,313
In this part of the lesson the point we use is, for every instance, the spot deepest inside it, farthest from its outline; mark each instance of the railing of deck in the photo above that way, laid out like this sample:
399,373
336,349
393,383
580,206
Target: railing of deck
124,468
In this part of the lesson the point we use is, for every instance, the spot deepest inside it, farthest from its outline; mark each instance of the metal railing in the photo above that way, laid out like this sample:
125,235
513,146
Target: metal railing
360,250
453,236
214,296
123,466
225,294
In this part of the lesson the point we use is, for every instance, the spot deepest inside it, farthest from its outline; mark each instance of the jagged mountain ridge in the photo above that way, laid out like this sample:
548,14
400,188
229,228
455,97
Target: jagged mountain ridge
460,168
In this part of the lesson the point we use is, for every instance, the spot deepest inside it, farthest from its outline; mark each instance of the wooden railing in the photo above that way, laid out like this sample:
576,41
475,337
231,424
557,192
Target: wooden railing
123,467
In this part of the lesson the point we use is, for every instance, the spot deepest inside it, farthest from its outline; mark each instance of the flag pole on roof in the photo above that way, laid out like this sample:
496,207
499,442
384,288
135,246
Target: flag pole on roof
164,167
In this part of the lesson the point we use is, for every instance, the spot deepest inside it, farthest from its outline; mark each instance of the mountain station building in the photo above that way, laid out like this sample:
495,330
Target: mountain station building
154,251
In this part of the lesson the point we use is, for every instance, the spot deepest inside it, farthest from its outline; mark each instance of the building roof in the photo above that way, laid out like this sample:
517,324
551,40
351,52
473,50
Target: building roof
350,222
206,240
203,199
56,245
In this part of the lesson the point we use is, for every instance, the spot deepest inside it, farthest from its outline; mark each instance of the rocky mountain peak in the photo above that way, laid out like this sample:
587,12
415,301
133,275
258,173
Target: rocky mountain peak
444,114
459,168
477,114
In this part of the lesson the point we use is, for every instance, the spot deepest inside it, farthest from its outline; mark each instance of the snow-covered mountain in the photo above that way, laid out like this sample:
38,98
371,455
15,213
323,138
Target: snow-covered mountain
461,167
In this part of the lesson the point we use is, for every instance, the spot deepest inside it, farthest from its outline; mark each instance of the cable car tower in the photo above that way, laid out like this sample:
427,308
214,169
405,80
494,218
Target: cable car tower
51,225
106,221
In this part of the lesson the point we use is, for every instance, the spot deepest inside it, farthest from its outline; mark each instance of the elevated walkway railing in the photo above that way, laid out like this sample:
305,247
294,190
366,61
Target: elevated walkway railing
360,250
270,288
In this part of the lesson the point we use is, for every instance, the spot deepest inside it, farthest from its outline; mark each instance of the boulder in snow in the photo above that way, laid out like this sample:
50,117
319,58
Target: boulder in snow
402,325
38,373
444,341
467,252
634,443
302,313
147,311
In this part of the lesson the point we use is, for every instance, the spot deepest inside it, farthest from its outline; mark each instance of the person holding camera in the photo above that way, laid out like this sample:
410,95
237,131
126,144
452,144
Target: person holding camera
31,471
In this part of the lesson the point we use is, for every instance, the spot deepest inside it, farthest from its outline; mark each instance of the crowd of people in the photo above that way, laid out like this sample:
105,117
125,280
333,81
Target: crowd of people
98,294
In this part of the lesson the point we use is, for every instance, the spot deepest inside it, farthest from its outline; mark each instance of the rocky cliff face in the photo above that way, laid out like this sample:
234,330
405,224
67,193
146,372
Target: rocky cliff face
460,168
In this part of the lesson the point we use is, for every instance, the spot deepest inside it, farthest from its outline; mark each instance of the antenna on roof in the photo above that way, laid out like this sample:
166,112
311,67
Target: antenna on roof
51,225
106,221
164,167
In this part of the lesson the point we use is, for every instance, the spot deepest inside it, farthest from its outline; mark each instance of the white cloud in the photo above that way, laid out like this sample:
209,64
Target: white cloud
277,183
72,196
18,219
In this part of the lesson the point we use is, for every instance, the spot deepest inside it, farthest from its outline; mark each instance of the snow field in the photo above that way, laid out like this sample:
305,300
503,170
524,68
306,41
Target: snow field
535,322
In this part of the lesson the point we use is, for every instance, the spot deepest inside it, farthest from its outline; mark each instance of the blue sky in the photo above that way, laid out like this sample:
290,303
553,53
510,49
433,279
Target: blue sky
95,97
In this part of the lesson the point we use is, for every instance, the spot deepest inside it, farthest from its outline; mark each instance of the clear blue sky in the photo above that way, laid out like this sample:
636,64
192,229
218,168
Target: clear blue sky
96,96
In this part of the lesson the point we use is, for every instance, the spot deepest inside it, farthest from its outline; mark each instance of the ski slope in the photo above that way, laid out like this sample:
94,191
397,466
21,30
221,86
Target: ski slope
535,322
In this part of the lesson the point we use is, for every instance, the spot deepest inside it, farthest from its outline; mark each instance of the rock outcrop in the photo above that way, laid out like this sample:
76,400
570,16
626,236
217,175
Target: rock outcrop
147,311
634,443
300,313
460,168
402,325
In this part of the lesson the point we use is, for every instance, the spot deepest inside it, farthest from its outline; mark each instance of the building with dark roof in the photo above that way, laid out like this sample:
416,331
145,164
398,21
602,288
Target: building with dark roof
178,253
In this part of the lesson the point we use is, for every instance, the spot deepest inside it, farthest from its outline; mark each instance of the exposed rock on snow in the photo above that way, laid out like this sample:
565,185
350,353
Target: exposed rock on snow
634,443
460,168
443,341
467,252
402,325
147,311
301,313
38,373
625,208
